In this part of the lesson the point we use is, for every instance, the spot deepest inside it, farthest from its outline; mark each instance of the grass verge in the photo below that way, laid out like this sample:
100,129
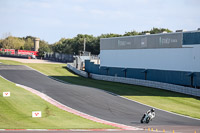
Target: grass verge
166,100
16,112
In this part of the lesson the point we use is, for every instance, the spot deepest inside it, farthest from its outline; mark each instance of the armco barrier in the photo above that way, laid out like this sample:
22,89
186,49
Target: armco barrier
79,72
147,83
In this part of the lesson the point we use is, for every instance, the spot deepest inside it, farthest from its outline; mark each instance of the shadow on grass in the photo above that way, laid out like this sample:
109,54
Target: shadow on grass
120,88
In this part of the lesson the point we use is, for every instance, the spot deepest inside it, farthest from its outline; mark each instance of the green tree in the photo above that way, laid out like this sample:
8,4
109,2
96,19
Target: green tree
131,33
77,43
93,45
18,43
156,31
29,44
1,43
12,43
44,47
44,44
109,35
63,46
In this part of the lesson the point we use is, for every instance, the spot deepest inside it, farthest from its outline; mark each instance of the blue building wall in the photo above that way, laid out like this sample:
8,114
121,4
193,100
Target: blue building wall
104,71
197,79
88,66
91,67
166,76
135,73
173,77
114,71
190,38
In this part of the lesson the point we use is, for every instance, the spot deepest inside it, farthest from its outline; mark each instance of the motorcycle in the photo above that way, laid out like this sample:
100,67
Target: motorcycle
146,118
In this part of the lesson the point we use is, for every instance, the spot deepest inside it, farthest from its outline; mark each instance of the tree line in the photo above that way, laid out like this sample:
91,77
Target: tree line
68,45
24,43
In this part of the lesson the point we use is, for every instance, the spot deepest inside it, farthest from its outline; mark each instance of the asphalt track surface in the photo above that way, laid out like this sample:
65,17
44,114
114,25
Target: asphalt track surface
93,101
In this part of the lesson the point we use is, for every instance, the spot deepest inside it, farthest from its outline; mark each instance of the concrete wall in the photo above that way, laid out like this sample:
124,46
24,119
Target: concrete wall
177,59
153,84
79,72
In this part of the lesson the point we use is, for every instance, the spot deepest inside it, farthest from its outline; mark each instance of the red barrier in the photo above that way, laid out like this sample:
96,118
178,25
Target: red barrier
21,52
12,51
27,52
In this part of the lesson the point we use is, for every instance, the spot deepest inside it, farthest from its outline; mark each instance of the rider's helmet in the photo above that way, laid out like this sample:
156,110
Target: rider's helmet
152,110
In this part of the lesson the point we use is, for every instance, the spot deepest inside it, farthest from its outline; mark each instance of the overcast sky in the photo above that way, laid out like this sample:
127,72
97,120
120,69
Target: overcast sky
51,20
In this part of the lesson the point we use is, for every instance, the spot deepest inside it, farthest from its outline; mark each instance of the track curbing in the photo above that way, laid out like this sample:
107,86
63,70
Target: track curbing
68,109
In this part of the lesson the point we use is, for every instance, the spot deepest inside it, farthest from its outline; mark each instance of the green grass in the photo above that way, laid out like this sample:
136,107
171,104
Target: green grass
170,101
16,112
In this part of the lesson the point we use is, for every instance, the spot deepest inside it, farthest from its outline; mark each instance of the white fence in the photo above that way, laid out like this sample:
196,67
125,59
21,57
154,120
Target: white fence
79,72
147,83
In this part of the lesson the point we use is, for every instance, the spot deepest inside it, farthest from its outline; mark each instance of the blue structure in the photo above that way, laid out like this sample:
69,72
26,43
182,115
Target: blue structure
172,77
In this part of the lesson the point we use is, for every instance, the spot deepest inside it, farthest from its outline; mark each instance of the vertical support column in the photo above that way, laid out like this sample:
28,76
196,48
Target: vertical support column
107,71
191,75
192,80
145,73
125,72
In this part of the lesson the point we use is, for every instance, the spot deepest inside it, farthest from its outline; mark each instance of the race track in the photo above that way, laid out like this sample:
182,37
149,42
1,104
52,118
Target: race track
92,101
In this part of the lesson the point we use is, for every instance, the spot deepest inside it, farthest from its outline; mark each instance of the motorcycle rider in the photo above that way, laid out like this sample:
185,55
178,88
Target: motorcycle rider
150,113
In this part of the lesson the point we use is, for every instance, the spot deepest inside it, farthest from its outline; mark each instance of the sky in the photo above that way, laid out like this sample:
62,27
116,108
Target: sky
51,20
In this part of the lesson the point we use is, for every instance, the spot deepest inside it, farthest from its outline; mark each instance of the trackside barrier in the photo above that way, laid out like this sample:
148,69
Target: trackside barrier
147,83
79,72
